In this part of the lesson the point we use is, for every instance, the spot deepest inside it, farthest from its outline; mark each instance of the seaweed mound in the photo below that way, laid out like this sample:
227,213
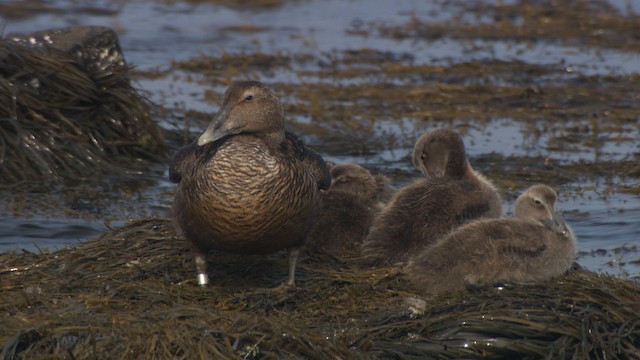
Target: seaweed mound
68,110
131,292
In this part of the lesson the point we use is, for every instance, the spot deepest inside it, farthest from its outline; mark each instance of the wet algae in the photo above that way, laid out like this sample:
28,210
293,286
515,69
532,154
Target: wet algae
64,120
131,292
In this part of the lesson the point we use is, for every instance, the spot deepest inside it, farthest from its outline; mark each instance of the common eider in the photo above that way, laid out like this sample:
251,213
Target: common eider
246,185
532,247
451,194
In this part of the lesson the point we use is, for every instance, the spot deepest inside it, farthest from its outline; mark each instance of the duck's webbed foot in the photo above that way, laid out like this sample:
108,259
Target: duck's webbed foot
415,306
291,282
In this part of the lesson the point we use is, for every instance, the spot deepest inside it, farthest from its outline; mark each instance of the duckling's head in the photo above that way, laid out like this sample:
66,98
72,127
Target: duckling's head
538,203
440,153
354,179
249,107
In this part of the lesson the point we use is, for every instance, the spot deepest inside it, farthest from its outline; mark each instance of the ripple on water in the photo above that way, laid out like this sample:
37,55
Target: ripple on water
46,233
607,229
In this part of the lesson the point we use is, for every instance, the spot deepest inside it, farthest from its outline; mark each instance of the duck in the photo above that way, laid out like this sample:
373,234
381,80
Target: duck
532,247
246,185
450,194
350,205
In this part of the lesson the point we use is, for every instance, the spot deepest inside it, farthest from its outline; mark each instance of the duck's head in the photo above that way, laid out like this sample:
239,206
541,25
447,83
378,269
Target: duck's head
248,107
440,153
538,203
353,178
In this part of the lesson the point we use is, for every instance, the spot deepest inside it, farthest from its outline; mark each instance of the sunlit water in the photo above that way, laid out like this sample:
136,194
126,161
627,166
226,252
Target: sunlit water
154,33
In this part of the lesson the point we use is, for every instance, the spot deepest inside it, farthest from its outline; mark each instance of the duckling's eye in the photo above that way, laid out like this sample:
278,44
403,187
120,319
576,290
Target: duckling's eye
249,97
537,202
423,156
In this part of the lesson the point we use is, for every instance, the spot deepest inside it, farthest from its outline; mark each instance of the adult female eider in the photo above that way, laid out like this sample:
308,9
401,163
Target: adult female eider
451,194
245,185
534,246
350,205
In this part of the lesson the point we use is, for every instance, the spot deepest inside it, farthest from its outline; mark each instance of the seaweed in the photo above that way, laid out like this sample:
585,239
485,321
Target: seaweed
62,121
132,292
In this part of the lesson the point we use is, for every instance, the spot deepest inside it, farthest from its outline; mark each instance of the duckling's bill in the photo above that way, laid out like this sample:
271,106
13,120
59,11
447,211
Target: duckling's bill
557,224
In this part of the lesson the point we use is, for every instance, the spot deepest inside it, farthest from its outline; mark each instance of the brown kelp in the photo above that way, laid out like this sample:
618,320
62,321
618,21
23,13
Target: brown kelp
130,293
63,117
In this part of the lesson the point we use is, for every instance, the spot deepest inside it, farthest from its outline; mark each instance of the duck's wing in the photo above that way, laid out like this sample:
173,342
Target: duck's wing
473,201
311,160
522,250
318,167
472,211
180,161
516,239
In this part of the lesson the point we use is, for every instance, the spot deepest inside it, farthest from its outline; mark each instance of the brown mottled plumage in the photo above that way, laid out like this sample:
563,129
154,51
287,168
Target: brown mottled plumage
350,205
534,246
420,213
245,185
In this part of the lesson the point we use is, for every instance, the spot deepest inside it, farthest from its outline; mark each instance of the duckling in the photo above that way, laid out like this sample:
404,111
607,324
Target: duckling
349,208
533,247
451,194
246,185
385,189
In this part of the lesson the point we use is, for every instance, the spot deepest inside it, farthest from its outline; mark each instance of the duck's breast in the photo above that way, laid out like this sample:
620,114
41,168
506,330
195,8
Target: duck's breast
244,197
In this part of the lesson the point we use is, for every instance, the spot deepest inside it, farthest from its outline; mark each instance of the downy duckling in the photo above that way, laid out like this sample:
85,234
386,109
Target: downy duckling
533,247
451,194
350,205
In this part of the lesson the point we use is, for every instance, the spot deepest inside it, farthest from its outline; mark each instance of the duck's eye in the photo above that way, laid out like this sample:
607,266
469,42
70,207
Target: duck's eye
423,156
249,97
537,202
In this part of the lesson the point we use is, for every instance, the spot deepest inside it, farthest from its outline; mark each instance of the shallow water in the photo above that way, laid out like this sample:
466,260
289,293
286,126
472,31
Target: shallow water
156,34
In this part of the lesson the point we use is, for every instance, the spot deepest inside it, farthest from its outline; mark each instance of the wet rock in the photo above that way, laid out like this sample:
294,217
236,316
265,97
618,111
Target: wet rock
97,48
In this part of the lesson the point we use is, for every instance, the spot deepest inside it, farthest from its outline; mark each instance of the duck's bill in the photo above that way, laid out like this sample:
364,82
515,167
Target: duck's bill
557,224
217,129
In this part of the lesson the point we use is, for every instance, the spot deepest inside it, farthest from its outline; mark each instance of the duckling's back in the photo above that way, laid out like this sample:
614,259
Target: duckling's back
490,251
424,211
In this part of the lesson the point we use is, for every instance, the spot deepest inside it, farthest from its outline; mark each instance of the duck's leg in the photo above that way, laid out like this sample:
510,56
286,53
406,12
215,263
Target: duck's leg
293,259
201,267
